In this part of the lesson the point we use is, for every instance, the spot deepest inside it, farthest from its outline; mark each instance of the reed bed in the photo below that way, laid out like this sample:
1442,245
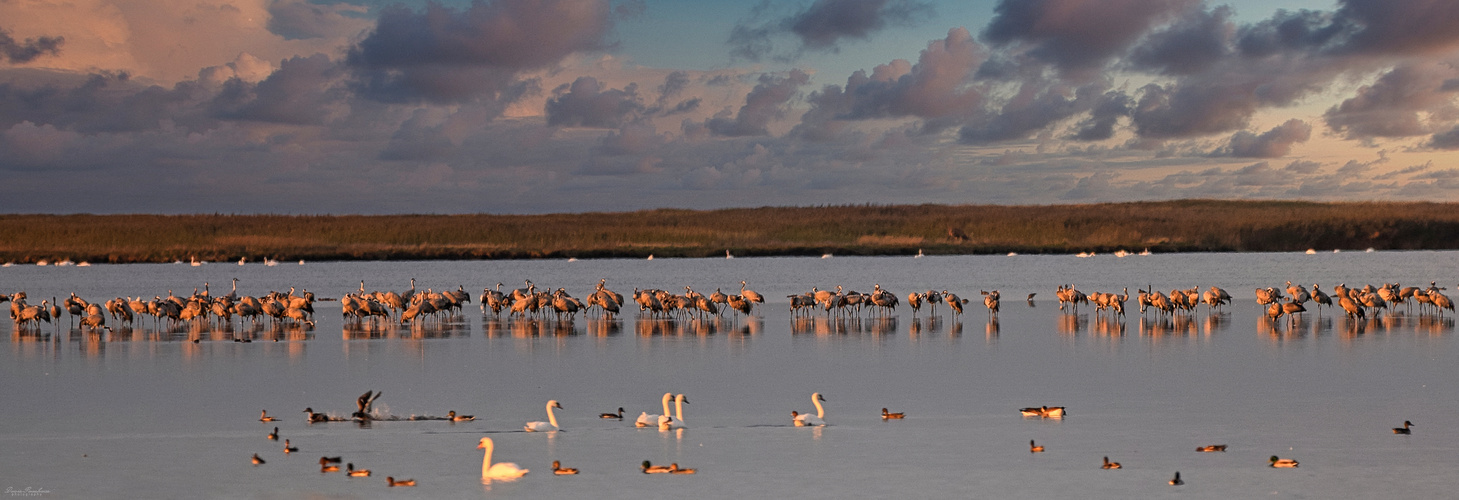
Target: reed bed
1170,226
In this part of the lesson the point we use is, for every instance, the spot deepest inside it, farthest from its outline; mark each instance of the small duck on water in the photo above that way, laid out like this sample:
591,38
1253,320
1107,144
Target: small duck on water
390,480
674,469
452,416
1033,448
274,436
1110,465
257,460
265,418
356,473
650,468
618,415
885,415
1405,429
559,470
1282,462
1212,448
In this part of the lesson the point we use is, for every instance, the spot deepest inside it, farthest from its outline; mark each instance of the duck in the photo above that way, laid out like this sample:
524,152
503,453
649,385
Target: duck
674,469
806,419
257,460
389,480
1054,411
350,470
315,417
618,415
265,418
650,468
1282,462
550,424
558,470
885,415
1212,448
323,468
1176,481
1405,429
1033,448
1043,412
1110,465
330,460
274,436
288,448
452,416
505,470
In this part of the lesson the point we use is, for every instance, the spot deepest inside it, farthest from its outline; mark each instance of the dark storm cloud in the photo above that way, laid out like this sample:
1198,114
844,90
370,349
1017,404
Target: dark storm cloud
1398,26
1446,140
1077,35
822,25
1190,45
301,19
30,49
765,103
1274,143
1100,124
585,103
1400,103
444,55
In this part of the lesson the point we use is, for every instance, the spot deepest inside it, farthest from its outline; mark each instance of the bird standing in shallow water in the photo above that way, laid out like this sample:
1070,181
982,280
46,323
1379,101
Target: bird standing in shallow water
1404,429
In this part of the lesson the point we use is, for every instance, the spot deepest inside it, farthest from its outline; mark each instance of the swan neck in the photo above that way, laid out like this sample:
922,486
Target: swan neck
820,410
486,460
551,418
679,410
667,397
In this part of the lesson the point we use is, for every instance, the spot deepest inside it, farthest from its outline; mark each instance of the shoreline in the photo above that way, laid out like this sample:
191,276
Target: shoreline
865,230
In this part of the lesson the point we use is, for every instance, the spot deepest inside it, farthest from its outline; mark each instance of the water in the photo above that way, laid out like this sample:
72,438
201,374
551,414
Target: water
149,414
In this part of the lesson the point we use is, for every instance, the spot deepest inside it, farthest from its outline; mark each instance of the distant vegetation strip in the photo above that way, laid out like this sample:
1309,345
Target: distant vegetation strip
1171,226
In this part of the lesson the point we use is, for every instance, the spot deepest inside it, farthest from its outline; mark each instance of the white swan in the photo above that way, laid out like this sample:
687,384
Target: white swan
504,470
646,420
666,423
806,419
550,424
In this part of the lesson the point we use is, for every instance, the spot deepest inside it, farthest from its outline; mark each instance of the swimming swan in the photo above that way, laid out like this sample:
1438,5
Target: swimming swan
550,424
677,422
806,419
504,470
647,420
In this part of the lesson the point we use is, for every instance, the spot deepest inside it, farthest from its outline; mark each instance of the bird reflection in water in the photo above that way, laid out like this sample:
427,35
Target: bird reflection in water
842,326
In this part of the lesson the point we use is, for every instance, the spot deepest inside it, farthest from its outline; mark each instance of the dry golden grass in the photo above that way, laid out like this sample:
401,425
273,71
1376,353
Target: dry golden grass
1185,225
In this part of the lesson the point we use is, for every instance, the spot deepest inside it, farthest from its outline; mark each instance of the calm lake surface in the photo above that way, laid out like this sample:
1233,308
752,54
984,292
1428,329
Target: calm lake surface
143,413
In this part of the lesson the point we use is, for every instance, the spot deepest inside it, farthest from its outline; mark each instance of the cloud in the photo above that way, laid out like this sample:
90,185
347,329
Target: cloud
935,89
585,103
1411,99
765,103
1190,45
1077,35
823,25
302,19
304,91
1274,143
30,49
442,55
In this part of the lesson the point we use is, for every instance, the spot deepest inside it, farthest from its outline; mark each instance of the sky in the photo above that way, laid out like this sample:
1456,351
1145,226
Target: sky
544,106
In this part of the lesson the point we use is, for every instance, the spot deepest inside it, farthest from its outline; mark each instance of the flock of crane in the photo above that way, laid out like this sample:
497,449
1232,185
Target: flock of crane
412,305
